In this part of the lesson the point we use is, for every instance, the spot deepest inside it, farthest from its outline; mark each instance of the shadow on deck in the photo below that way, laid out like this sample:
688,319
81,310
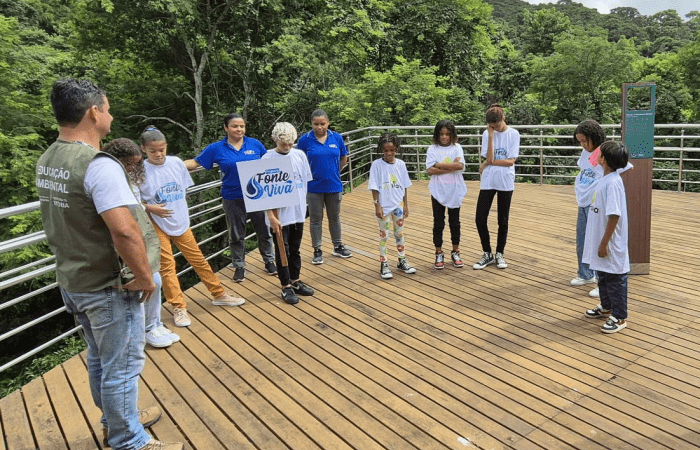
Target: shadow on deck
456,358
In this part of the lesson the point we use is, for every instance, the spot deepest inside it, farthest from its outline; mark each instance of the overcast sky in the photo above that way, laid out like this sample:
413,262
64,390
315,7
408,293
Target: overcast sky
645,7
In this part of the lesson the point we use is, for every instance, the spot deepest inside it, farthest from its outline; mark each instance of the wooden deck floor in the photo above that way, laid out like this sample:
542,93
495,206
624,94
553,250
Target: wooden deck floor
458,358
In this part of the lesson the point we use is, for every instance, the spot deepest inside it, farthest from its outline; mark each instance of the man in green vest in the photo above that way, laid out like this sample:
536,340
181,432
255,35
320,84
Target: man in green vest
86,210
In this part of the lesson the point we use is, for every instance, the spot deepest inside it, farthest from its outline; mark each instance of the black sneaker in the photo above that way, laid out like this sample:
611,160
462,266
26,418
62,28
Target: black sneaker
484,261
289,296
405,266
302,289
341,251
271,268
239,275
318,256
385,271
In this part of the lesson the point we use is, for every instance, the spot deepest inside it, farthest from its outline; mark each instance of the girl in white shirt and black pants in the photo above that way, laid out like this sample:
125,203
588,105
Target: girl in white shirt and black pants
500,148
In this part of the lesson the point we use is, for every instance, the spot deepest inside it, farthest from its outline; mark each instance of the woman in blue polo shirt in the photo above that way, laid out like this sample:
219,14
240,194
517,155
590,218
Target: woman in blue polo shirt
327,155
236,147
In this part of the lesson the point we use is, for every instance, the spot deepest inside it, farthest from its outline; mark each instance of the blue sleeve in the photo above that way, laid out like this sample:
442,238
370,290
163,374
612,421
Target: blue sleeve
341,145
206,158
302,143
260,148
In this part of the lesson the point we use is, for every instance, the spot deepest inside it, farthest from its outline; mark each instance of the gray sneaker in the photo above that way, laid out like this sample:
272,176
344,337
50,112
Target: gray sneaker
484,261
405,266
159,337
318,256
384,271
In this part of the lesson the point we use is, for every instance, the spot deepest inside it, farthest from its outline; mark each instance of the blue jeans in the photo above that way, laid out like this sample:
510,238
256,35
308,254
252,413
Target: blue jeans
613,293
584,271
153,307
114,330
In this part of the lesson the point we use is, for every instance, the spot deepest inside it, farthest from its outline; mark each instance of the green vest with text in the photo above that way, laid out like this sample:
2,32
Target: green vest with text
86,260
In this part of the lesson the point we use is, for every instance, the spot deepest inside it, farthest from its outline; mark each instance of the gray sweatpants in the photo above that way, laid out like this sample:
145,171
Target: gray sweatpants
316,203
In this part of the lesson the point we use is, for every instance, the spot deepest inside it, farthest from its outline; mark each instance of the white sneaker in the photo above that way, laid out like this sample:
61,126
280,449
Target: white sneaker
582,281
228,300
501,261
181,318
594,293
158,338
173,337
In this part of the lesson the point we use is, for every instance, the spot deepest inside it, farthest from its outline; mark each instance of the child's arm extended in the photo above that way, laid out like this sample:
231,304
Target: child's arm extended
609,230
158,210
377,207
405,204
191,164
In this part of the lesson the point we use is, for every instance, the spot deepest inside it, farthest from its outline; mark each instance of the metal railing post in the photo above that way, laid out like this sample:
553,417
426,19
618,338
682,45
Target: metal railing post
541,157
680,163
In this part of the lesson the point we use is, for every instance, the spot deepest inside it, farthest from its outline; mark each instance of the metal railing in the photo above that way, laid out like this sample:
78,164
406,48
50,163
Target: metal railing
547,155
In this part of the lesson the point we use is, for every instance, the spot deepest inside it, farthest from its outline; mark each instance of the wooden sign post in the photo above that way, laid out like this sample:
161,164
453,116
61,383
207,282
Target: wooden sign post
638,114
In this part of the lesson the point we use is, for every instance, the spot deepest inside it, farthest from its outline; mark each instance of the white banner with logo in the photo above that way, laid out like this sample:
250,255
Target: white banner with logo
267,184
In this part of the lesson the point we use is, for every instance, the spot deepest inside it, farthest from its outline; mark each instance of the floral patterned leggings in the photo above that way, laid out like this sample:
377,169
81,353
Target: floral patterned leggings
396,216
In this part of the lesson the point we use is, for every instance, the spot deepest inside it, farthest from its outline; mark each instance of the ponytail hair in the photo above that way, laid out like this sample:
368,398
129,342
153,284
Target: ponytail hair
494,113
151,134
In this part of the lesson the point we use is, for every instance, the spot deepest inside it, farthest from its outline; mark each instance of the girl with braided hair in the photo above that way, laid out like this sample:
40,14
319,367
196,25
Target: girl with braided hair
389,182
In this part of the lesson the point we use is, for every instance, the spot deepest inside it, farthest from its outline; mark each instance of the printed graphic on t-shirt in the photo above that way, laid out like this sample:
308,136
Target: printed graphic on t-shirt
587,177
393,183
500,153
169,193
447,159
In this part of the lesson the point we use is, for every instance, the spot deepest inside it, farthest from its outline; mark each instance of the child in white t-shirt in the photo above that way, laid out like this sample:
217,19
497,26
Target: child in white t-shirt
164,193
500,147
444,162
289,221
605,249
389,183
129,154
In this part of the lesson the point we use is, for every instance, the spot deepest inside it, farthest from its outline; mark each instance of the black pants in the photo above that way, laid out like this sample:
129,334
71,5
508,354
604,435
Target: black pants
613,293
439,223
483,206
292,235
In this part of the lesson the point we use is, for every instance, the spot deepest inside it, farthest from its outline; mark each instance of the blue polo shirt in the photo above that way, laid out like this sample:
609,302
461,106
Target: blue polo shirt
226,156
324,160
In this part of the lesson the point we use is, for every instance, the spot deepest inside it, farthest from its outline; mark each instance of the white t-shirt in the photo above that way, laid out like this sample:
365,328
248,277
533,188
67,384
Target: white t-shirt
168,184
608,200
506,145
391,181
449,188
586,178
107,186
302,175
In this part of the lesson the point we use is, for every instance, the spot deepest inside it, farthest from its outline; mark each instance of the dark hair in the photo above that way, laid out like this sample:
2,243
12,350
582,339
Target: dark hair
123,149
616,154
444,124
232,116
494,113
388,138
71,98
319,113
593,132
151,134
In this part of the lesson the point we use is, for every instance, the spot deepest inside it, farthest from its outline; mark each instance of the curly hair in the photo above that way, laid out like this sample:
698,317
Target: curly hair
284,132
593,132
388,138
445,124
123,149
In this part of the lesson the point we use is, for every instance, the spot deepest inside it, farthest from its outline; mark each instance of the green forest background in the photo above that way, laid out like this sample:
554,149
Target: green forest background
182,65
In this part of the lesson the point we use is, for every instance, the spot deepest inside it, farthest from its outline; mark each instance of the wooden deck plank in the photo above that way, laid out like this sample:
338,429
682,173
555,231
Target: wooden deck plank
15,423
46,431
458,358
70,416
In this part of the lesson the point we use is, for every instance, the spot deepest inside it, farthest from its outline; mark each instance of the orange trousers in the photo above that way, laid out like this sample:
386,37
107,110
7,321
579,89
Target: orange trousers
168,270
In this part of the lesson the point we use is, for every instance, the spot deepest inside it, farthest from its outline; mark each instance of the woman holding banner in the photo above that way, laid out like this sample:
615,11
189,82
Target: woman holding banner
229,151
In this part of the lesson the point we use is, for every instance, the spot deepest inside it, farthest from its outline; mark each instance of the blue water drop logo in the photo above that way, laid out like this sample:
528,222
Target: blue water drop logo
254,190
